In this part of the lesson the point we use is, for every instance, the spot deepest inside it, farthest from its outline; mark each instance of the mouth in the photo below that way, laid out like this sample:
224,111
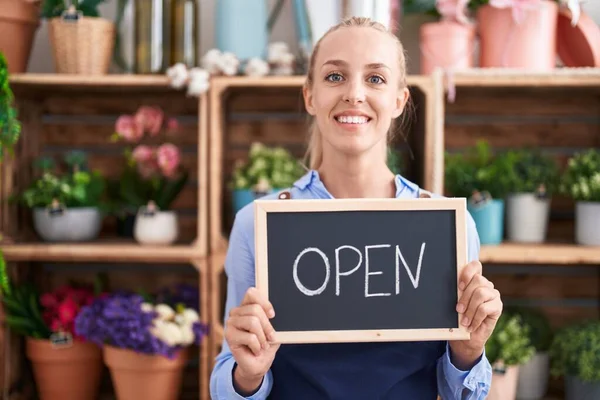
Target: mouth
352,119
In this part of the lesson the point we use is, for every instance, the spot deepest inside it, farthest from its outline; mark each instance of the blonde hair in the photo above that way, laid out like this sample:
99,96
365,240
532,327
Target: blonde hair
314,152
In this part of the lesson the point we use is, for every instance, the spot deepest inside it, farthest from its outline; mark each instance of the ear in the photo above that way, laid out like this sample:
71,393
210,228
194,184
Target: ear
401,101
308,103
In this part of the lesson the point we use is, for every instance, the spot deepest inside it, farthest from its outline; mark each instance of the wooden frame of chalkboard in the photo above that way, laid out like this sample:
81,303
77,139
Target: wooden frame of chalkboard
454,210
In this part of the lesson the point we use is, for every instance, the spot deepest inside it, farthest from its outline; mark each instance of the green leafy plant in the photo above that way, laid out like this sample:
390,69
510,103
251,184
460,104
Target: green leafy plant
477,169
394,161
55,8
530,169
581,179
74,188
540,331
509,343
10,127
575,351
22,307
266,168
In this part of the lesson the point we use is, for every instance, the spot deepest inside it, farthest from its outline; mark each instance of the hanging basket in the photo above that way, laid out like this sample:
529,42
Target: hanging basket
83,45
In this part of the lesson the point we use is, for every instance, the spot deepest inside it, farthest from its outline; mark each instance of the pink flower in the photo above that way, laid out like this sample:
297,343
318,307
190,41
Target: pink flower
168,159
128,129
67,311
453,10
145,158
150,118
48,300
172,125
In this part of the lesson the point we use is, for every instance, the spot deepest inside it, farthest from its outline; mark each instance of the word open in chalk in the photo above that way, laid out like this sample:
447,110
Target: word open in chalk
399,259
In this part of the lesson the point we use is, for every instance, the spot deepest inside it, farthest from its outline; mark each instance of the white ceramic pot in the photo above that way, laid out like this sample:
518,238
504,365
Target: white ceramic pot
158,228
526,218
533,377
587,221
504,385
576,389
71,225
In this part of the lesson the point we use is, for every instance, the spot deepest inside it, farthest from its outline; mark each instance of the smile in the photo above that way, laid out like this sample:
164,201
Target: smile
356,119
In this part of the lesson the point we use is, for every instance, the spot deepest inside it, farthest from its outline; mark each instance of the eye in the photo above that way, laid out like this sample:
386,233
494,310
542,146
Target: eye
376,79
334,77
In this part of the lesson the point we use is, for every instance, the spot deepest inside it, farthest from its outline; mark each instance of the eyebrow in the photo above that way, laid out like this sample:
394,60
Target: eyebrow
342,63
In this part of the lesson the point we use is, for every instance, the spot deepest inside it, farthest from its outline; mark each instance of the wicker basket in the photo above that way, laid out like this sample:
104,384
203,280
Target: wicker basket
82,47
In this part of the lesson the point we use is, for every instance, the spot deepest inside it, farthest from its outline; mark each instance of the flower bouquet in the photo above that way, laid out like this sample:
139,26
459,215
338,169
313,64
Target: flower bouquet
55,352
152,179
145,345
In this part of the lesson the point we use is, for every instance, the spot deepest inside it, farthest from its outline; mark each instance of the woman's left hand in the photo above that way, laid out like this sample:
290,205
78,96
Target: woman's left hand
479,308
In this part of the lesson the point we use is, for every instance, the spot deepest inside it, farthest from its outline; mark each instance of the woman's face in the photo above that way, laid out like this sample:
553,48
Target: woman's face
355,93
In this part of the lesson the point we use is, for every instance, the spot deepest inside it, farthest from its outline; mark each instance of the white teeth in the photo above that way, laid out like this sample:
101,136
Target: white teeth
352,119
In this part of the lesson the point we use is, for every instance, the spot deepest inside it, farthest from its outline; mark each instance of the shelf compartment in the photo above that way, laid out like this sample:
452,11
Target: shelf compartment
545,253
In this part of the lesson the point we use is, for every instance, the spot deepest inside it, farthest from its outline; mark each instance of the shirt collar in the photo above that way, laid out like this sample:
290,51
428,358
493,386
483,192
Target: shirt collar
312,181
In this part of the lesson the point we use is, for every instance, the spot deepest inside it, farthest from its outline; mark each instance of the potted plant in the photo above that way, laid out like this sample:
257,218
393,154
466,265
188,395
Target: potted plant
534,374
507,348
19,21
55,351
448,43
81,40
581,181
267,170
517,34
66,206
533,180
145,346
152,178
575,355
481,177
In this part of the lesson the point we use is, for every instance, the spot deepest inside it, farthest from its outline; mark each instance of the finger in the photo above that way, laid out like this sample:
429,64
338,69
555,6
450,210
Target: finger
469,271
254,296
251,323
247,339
481,295
485,310
474,283
257,311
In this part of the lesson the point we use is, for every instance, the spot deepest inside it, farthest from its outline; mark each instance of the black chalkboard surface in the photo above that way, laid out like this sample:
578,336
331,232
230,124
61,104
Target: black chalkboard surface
351,270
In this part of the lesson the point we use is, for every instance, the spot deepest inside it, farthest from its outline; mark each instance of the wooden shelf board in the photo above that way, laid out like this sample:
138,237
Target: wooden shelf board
498,77
546,253
48,79
100,252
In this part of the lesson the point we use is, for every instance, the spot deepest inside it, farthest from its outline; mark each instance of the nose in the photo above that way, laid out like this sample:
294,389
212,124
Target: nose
355,93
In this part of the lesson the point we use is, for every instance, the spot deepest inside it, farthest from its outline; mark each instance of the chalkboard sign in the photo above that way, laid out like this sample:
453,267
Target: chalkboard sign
352,270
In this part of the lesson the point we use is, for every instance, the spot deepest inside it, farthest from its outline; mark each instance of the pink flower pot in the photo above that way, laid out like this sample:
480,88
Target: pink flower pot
528,44
447,45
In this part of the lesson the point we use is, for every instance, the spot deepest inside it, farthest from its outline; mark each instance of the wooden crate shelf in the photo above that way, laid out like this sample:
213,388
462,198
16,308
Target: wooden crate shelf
61,112
505,77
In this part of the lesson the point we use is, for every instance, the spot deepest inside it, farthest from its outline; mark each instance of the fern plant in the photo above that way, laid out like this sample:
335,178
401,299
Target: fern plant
10,127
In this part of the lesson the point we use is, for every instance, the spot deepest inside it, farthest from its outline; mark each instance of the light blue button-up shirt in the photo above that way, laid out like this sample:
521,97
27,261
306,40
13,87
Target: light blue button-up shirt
453,384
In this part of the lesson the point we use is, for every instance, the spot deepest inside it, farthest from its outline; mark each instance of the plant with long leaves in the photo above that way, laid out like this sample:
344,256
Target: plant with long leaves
10,127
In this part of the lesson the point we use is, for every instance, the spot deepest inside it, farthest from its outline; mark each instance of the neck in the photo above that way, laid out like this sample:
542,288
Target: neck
358,177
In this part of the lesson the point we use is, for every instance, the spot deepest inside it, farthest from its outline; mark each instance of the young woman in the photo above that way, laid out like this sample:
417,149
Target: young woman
355,89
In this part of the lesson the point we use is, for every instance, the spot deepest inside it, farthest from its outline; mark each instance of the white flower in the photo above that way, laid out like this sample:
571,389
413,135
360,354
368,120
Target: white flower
276,51
178,75
164,311
187,335
229,64
170,333
189,316
211,61
256,67
199,81
147,307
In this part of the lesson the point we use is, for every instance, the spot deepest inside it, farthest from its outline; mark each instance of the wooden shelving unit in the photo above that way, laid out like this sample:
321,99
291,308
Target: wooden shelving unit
543,254
62,112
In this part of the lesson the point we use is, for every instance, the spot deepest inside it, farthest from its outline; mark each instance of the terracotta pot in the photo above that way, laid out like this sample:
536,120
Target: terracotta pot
19,21
504,385
140,376
445,45
65,373
529,43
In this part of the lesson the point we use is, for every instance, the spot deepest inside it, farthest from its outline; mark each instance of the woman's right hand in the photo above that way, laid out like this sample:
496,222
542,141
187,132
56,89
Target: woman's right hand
248,332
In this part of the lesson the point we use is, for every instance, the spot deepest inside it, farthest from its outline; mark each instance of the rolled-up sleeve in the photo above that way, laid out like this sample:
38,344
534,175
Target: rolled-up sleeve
454,384
239,268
